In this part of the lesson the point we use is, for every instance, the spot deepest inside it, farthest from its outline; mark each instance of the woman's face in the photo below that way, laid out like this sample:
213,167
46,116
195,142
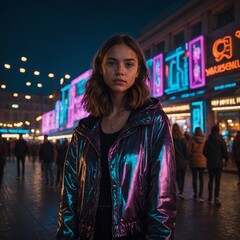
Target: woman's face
120,68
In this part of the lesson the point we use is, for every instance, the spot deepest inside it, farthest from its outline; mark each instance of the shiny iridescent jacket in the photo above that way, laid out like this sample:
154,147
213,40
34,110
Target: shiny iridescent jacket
142,171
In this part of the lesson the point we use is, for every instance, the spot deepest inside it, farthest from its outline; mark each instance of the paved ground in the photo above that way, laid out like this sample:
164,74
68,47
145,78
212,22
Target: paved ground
29,209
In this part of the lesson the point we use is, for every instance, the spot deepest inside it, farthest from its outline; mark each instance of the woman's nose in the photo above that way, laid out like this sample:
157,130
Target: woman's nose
120,69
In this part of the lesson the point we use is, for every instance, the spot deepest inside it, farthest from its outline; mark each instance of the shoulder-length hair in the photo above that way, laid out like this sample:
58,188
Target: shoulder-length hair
176,132
198,132
96,99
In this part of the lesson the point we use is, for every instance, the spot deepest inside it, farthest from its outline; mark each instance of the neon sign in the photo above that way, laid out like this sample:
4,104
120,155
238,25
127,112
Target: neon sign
197,115
176,70
75,110
196,62
157,88
224,55
149,64
48,122
225,102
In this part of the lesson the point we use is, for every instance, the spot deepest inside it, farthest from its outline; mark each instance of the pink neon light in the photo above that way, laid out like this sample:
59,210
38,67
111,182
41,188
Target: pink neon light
157,76
48,122
86,74
196,62
75,110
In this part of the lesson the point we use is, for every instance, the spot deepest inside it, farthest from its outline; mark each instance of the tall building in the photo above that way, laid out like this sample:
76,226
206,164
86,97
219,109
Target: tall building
19,113
194,61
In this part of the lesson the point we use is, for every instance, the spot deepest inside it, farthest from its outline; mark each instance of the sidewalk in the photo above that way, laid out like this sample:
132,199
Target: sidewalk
30,209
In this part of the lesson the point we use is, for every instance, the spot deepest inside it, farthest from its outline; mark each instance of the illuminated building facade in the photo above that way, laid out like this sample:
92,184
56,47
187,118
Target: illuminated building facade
198,51
16,107
194,63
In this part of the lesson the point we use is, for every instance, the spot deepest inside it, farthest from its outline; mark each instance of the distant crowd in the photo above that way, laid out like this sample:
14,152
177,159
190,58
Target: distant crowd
196,152
203,154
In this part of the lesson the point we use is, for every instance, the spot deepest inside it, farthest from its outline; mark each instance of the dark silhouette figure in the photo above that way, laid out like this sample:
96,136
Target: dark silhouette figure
181,157
46,155
61,154
215,150
236,153
20,151
3,155
198,163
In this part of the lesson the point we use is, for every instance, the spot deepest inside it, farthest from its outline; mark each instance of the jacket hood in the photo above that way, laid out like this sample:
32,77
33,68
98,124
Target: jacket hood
151,105
199,139
214,136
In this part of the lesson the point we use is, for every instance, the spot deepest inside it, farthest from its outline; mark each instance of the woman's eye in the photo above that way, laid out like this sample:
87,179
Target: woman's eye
128,65
111,63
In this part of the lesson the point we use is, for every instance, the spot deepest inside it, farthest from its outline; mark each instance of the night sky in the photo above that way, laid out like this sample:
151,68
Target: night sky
63,36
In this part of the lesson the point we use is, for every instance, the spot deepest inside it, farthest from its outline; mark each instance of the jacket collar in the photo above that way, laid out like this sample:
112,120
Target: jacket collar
90,128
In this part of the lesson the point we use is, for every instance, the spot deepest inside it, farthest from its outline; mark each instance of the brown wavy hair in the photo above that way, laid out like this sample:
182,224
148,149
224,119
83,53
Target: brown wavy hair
176,132
97,100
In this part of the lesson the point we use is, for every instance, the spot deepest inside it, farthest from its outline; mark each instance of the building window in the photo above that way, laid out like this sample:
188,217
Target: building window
15,117
160,47
26,117
196,30
147,54
225,18
179,39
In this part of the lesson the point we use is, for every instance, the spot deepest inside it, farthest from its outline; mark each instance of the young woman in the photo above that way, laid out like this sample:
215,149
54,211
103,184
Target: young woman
181,156
198,163
119,170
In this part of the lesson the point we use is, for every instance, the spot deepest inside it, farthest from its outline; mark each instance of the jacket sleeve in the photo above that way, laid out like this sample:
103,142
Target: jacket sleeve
67,217
161,209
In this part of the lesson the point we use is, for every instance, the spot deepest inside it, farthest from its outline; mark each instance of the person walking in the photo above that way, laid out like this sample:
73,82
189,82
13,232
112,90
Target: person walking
61,154
3,155
236,153
46,155
198,163
215,150
119,172
20,151
181,157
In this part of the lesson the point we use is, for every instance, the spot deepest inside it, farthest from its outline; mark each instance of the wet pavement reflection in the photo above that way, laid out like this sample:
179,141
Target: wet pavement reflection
30,208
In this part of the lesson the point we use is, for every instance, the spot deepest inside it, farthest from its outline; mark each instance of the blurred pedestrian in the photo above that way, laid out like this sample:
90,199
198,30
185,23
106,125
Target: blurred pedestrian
61,154
3,155
34,150
181,157
46,155
20,151
119,172
215,150
236,153
198,163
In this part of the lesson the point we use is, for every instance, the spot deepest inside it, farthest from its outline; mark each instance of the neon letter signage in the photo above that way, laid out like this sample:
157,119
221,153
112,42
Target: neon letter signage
197,113
225,52
196,62
157,85
176,70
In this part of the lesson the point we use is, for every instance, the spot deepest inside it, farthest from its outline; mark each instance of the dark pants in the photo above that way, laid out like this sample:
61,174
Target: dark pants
59,174
238,168
214,173
180,179
198,173
103,229
48,172
22,160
